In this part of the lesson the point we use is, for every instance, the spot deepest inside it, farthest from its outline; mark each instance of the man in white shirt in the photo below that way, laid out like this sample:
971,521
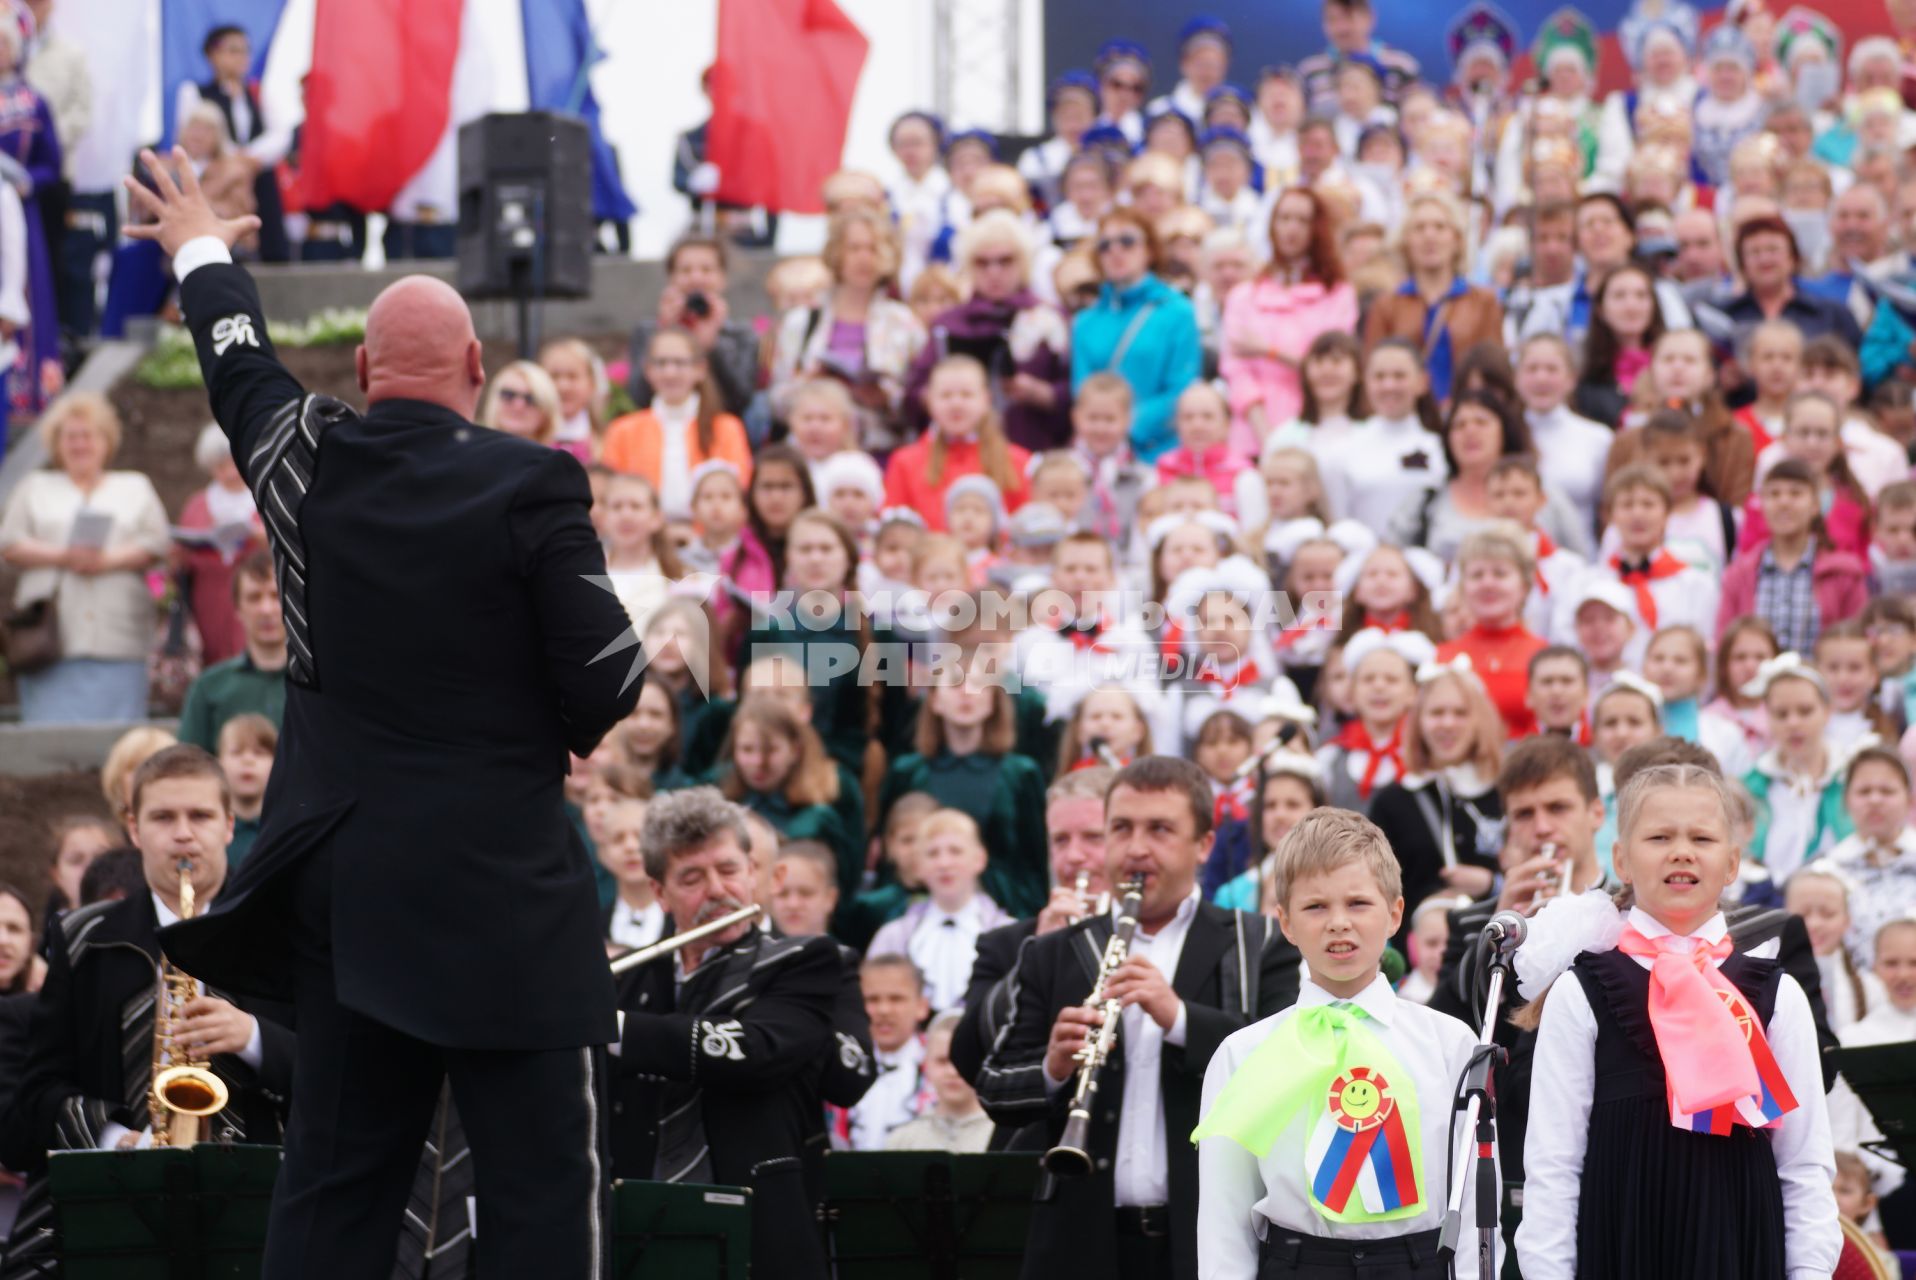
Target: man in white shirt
1194,974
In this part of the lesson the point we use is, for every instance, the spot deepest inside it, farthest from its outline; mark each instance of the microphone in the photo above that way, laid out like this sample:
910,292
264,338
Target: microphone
1506,931
1104,754
1286,734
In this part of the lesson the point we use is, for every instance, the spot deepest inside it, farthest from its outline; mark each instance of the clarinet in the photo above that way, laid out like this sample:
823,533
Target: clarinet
1070,1159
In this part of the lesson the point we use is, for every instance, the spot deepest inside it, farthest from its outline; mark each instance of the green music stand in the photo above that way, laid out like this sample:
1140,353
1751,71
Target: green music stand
670,1230
192,1214
901,1215
1884,1077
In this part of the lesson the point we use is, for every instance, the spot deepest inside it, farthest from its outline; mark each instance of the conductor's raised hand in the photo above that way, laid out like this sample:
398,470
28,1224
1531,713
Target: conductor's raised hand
178,208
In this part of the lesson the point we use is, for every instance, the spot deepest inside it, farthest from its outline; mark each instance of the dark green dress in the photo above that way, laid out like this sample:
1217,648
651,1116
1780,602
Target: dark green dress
1005,796
850,811
671,778
811,822
841,706
1038,739
607,886
695,710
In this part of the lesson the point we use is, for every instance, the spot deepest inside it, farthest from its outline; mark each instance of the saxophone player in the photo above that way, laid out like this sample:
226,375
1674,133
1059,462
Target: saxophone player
90,1046
1193,974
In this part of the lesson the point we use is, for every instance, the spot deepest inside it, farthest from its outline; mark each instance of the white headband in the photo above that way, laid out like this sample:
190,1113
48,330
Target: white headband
1782,667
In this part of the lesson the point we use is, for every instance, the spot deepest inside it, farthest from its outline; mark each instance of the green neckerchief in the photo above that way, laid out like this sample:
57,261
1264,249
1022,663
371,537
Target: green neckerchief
1295,1072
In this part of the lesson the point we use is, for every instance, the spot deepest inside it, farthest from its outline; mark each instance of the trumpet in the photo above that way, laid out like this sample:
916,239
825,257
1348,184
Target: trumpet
1071,1157
1088,906
1561,884
668,946
184,1089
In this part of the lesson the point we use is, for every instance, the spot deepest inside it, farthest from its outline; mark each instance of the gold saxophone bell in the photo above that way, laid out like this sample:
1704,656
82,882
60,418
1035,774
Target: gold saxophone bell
191,1091
184,1089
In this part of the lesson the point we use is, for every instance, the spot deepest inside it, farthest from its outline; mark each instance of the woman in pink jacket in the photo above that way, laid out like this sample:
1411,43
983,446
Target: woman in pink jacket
1270,322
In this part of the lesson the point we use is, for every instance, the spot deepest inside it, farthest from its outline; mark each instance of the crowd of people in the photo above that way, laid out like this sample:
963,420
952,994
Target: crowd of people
1351,506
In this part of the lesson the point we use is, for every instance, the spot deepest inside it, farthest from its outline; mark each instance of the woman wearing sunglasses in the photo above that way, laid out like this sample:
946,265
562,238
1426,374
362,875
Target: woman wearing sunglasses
1022,341
522,401
1140,328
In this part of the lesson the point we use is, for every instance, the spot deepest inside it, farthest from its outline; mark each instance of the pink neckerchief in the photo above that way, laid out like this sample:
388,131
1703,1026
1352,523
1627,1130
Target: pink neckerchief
1717,1064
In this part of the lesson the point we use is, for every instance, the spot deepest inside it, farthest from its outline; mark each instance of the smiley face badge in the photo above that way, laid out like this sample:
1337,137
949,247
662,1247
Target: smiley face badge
1362,1145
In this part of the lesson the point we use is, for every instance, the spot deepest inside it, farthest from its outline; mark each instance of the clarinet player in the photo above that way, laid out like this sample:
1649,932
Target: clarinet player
417,889
1193,974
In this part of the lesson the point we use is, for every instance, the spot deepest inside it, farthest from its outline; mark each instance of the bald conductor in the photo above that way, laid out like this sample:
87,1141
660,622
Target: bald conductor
417,890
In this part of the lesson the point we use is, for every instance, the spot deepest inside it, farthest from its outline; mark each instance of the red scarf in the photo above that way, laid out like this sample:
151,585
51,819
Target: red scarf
1302,627
1229,804
1171,639
1087,639
1543,549
1662,565
1580,735
1354,737
1399,621
1227,686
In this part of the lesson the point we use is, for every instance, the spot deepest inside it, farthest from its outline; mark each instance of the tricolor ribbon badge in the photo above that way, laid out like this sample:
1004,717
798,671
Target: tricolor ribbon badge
1359,1144
1772,1099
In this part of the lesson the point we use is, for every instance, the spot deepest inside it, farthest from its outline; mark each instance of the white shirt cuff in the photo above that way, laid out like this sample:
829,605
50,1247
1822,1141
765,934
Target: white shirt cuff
617,1044
199,252
1175,1036
114,1131
1051,1085
254,1051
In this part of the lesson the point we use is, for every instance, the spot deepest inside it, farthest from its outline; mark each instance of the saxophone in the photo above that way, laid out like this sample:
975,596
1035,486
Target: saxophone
184,1091
1071,1158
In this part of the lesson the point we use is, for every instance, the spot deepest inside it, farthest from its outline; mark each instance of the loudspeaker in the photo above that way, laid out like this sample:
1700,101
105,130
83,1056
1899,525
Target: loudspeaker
525,206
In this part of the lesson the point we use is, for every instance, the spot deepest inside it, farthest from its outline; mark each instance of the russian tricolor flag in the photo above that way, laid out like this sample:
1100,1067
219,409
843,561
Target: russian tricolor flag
386,83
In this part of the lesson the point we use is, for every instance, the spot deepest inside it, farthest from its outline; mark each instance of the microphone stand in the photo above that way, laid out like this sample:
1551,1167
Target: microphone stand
1477,1099
1261,764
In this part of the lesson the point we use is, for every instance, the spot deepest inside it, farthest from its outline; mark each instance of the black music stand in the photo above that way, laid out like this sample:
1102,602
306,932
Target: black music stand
169,1214
928,1215
668,1230
1884,1077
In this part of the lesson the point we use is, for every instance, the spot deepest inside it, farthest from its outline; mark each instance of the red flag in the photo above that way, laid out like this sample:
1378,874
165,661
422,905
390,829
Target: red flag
781,98
378,97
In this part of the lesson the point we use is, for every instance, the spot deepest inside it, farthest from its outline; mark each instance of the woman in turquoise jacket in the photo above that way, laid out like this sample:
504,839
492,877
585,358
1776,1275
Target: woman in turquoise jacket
1140,328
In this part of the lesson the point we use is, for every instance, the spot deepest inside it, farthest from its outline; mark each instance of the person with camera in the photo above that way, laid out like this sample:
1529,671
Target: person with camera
694,300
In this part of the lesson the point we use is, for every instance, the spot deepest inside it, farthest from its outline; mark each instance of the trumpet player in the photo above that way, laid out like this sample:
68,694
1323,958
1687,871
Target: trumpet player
1194,973
91,1042
1074,833
716,1067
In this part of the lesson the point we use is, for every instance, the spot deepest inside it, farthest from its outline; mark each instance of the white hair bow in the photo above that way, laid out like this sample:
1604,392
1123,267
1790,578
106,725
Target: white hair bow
1635,683
1414,647
905,515
1460,665
1235,576
1284,537
1782,667
1216,521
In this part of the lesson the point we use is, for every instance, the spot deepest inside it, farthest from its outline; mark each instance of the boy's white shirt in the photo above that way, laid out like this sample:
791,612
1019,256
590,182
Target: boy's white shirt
1688,598
1240,1194
1559,572
1554,1152
892,1098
